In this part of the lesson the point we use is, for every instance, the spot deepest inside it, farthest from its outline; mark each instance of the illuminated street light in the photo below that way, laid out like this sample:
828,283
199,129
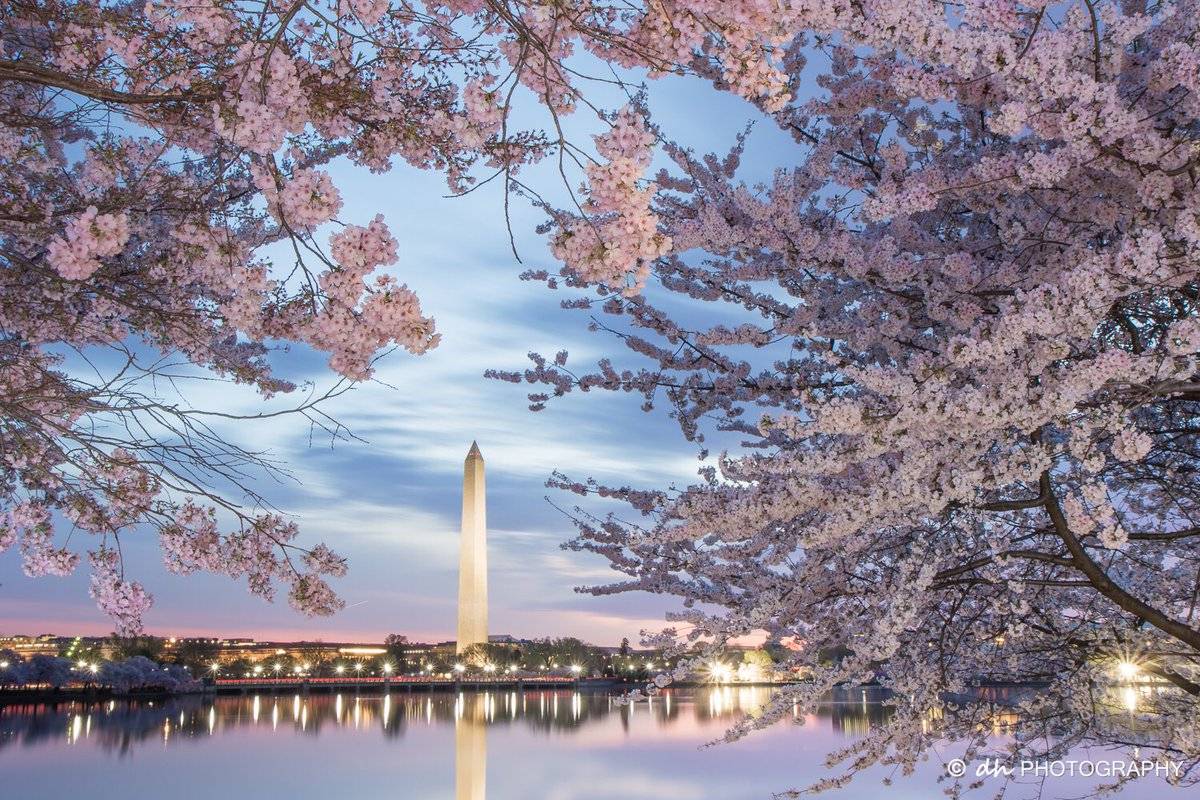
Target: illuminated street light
258,669
459,668
94,668
489,667
1128,670
576,669
358,666
720,672
214,667
340,669
387,668
277,667
3,665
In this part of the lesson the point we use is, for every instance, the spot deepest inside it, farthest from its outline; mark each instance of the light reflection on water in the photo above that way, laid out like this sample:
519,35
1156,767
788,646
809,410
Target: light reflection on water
501,745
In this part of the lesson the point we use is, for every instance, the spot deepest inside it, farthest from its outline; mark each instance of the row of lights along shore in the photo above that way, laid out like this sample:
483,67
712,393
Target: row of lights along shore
303,670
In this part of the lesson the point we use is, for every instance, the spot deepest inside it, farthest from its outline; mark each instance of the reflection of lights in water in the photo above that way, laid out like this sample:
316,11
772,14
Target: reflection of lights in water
337,709
575,706
513,705
720,700
429,711
932,716
212,718
751,699
1004,722
357,712
458,706
87,726
554,707
275,715
1129,698
255,709
166,730
387,710
304,717
295,707
667,703
73,731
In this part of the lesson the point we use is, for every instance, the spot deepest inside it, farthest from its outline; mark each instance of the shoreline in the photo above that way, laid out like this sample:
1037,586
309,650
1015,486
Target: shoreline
102,694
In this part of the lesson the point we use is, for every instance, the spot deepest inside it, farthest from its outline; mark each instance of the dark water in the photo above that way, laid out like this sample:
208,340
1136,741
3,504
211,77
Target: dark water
557,745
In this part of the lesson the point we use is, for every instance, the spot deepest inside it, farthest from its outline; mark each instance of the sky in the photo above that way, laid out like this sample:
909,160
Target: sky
390,503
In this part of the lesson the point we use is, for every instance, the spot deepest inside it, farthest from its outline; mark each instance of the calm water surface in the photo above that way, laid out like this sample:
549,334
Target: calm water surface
557,745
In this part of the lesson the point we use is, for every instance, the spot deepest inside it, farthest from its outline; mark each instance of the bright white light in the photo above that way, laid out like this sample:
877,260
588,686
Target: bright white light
576,669
258,669
214,667
489,667
93,668
459,668
1127,670
387,668
340,669
358,666
277,667
3,665
720,672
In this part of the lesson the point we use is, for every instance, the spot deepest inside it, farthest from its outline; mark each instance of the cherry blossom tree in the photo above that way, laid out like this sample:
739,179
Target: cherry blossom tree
150,151
957,339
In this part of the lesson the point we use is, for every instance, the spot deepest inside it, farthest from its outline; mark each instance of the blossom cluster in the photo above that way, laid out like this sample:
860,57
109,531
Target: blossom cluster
123,601
76,254
618,239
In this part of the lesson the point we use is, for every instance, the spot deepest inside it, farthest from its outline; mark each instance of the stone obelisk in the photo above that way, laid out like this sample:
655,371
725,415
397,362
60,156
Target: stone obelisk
472,555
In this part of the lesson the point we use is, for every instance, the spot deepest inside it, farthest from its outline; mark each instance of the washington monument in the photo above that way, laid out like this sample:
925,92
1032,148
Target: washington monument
472,556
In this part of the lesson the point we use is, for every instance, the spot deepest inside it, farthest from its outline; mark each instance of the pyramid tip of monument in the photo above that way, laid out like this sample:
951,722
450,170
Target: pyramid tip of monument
474,451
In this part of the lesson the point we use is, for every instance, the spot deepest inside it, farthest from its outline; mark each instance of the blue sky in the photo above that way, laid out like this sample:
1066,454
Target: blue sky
391,503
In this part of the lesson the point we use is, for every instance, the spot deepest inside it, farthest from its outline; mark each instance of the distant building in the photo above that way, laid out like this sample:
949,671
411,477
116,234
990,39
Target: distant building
46,644
503,638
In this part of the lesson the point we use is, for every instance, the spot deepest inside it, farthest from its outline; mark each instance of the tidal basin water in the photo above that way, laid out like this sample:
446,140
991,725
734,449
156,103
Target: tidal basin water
552,745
